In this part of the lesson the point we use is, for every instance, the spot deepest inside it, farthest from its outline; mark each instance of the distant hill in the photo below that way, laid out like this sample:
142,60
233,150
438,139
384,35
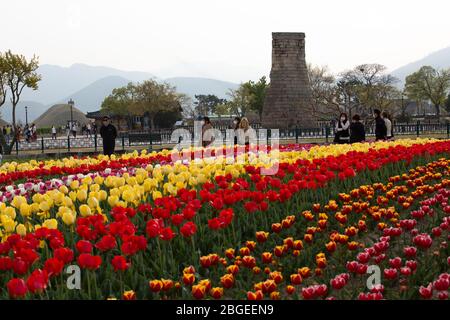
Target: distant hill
59,82
91,97
59,115
193,86
35,109
439,59
89,85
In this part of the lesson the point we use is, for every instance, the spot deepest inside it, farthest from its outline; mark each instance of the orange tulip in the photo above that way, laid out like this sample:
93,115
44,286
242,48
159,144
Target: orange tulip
129,295
216,292
269,286
244,251
256,270
167,284
249,261
189,269
278,251
188,278
227,280
276,227
276,276
198,291
296,279
229,253
290,289
251,245
331,246
275,295
262,236
258,295
233,269
156,285
305,272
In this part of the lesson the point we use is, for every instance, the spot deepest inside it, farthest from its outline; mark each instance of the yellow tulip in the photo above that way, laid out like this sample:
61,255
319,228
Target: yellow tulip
85,211
112,200
10,212
25,210
63,189
102,195
75,184
21,230
99,180
17,201
81,195
8,224
68,218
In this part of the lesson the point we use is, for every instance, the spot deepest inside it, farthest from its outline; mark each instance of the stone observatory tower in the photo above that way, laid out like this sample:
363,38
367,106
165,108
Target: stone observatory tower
288,99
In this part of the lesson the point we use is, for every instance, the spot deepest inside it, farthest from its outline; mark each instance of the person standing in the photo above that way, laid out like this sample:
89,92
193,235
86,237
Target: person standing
53,132
244,126
109,134
357,131
88,129
389,127
342,130
33,132
207,132
8,134
236,123
380,126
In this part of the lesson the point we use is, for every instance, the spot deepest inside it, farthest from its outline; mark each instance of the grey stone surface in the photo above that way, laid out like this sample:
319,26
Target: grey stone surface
288,100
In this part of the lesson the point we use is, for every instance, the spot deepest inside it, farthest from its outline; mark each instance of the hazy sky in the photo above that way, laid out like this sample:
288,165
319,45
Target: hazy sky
228,39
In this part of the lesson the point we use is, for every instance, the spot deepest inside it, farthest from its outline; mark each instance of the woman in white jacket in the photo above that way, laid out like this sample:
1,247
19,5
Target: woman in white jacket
389,127
342,130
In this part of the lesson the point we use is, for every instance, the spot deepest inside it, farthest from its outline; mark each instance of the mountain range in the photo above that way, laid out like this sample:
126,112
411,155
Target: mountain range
89,85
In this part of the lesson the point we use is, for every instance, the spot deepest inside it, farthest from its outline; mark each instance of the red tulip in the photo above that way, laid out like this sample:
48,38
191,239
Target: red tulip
64,254
395,263
410,251
84,246
106,243
88,261
390,273
37,281
120,263
17,288
167,234
53,266
188,229
426,292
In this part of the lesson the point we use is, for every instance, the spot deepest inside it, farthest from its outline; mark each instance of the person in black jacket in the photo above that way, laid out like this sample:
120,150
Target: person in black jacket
380,126
342,130
108,133
357,131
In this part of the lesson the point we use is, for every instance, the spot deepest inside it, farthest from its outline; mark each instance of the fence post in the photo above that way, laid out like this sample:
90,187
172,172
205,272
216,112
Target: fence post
296,134
448,129
68,143
95,141
269,132
151,141
418,128
42,144
17,147
327,133
123,142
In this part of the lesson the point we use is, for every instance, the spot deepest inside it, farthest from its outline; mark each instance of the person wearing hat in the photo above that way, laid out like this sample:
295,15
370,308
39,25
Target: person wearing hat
109,134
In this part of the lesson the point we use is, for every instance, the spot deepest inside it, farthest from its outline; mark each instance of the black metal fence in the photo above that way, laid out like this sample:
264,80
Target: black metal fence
166,137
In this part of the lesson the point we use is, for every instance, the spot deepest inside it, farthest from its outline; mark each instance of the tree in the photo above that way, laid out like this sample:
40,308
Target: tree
256,94
325,96
206,104
17,73
373,87
447,104
152,97
429,84
239,101
119,101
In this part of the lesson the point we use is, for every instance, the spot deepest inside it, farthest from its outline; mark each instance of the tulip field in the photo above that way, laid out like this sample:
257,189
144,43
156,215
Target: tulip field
144,226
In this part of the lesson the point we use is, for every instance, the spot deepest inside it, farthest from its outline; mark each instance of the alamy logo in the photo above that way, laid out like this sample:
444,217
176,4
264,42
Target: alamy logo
251,145
74,280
